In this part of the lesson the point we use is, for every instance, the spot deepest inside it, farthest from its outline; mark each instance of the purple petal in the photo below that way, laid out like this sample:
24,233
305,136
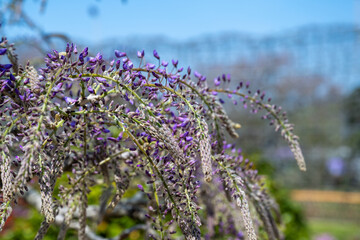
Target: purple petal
119,54
156,55
69,100
197,75
175,62
7,66
90,89
105,130
140,187
189,70
164,63
130,64
113,139
140,54
3,51
150,66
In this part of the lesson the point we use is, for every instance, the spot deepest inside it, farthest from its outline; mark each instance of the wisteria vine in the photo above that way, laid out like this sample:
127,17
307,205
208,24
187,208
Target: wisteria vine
156,124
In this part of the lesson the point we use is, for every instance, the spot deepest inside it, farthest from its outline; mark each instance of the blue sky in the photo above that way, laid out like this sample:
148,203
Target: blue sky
183,19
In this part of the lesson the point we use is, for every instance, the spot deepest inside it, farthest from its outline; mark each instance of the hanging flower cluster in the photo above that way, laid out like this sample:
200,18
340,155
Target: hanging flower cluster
155,124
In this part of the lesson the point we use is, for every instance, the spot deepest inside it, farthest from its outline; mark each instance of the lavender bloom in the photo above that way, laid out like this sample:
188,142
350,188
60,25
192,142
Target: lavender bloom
119,54
134,128
156,55
175,62
140,187
141,54
164,63
335,166
217,81
205,152
197,75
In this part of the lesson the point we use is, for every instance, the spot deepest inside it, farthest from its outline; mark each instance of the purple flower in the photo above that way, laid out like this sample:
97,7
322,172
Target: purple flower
217,81
335,166
113,139
324,237
92,61
105,130
6,66
197,75
184,134
164,63
119,54
99,57
81,57
187,146
262,96
90,89
156,55
140,54
3,51
69,100
150,66
84,52
117,65
140,187
228,77
130,64
175,62
120,136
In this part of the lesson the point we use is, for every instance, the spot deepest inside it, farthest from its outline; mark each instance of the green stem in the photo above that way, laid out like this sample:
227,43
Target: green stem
230,176
92,169
10,127
120,85
182,98
149,159
267,108
47,99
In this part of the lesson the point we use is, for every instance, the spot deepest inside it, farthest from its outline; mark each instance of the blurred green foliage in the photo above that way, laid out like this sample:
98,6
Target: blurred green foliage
352,113
342,230
294,225
24,226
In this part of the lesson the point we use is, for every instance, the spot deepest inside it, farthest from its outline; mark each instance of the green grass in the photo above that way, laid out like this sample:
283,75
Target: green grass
340,229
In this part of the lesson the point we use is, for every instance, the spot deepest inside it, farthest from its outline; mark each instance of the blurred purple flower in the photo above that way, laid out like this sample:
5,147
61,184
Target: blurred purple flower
335,166
324,236
140,54
119,54
156,55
